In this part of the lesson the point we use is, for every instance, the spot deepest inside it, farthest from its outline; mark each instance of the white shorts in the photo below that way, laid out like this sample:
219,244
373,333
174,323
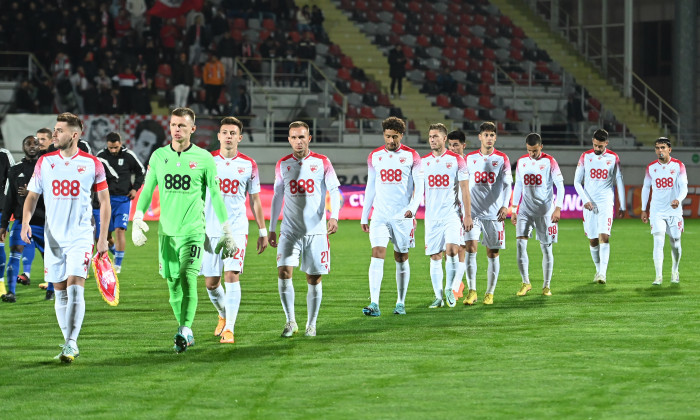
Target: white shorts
212,264
494,233
546,231
400,231
595,224
438,233
315,253
670,225
71,260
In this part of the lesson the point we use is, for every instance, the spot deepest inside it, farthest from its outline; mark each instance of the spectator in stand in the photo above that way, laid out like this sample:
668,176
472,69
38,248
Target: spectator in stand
289,66
182,80
574,116
61,67
103,84
197,39
127,82
122,24
248,51
141,95
137,12
446,83
303,19
306,51
45,97
243,109
214,77
169,35
397,68
317,19
227,49
219,25
268,52
24,98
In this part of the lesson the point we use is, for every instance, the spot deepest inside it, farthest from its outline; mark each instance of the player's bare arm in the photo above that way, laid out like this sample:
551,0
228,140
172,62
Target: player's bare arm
105,214
556,215
22,190
273,239
256,209
467,203
365,227
408,214
502,213
27,213
131,194
645,216
675,204
332,226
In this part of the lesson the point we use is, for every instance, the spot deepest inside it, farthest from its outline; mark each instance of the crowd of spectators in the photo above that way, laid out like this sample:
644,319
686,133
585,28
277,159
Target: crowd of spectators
104,56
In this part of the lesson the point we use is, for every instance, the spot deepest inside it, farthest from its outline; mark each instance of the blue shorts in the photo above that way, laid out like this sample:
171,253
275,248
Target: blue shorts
96,216
121,206
37,236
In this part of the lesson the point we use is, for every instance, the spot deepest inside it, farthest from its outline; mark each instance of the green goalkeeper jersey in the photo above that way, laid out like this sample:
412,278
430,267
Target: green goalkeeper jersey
182,180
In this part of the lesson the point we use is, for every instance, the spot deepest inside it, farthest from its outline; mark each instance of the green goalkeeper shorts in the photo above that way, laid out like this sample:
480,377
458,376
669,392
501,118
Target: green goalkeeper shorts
180,255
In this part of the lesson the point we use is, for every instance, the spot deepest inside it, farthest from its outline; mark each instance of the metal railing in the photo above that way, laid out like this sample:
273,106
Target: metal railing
611,66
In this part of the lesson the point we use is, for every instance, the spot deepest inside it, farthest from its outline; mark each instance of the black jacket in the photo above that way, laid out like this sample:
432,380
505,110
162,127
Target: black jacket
19,175
6,162
125,164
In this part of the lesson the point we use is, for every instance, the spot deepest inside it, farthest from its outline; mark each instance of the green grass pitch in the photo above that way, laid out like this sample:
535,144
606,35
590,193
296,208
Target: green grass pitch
621,350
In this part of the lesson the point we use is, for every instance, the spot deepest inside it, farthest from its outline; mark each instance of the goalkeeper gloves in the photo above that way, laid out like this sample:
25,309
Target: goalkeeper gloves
138,228
226,243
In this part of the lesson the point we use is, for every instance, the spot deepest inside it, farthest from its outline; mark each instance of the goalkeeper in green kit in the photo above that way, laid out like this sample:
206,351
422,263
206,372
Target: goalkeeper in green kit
182,172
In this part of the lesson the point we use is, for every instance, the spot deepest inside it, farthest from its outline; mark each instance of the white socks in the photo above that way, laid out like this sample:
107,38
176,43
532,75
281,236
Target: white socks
217,297
376,273
676,252
471,270
436,277
461,269
658,253
451,268
232,302
60,307
75,312
523,259
595,254
547,264
403,275
492,275
604,258
313,303
286,289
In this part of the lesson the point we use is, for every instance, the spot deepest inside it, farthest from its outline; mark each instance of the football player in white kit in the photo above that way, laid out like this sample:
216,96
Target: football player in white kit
66,178
301,181
668,181
238,177
535,175
395,190
489,183
457,141
445,175
597,174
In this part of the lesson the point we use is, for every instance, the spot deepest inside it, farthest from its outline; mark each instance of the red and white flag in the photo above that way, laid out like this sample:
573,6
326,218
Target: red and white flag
173,8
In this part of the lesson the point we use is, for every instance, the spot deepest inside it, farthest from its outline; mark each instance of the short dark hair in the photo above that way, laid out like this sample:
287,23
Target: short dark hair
457,135
27,138
663,140
533,139
438,126
71,120
487,126
600,135
113,137
232,121
184,112
296,124
44,131
394,123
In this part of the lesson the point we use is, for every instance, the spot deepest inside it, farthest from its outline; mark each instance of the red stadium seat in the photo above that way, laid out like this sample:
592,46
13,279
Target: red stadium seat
165,70
487,77
240,24
399,17
346,62
366,112
430,75
352,112
350,125
269,24
371,87
593,115
338,98
397,28
516,54
471,114
485,89
485,102
443,101
357,87
383,100
344,74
